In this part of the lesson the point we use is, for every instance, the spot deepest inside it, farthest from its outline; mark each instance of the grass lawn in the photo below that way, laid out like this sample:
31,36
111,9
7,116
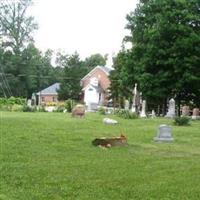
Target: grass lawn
49,156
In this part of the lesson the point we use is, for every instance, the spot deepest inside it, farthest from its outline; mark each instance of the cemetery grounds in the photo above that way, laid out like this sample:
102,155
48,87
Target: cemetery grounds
49,156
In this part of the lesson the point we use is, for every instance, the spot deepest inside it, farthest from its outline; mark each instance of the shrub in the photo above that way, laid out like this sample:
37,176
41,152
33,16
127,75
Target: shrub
17,108
28,109
41,108
126,114
69,105
182,121
59,109
102,111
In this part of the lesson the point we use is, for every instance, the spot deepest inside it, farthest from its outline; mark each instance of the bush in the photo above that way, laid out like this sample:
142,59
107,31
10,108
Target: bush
28,109
126,114
102,111
17,108
41,108
12,101
69,105
182,121
59,109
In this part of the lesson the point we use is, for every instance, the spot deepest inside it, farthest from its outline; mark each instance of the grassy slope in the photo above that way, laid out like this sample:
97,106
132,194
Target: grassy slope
47,156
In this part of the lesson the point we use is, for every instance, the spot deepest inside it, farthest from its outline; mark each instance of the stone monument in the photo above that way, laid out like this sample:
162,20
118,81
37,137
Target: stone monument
164,134
195,114
136,100
29,103
126,106
143,112
185,111
153,114
109,121
171,109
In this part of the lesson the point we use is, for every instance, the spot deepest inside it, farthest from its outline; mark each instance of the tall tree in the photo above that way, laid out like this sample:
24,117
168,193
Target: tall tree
122,82
95,60
16,27
166,49
74,70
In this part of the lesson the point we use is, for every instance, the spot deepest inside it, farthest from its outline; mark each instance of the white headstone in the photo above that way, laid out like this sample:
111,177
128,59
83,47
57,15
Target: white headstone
29,103
136,99
143,112
195,114
171,109
126,105
153,114
164,134
109,121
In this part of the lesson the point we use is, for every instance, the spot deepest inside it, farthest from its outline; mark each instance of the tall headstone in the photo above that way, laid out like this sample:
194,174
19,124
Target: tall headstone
126,106
33,99
29,103
136,100
153,114
171,109
164,134
143,112
185,111
195,114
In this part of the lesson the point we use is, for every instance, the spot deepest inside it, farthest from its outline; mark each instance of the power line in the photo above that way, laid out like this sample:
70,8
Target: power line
6,82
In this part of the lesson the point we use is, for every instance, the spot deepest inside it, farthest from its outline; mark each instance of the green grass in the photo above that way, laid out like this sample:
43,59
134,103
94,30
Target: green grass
49,156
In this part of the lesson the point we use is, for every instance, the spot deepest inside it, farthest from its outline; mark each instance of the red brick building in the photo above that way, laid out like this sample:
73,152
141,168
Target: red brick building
95,86
49,94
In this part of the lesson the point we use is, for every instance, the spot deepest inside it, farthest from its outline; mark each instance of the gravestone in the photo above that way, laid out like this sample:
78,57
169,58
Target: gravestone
195,114
171,109
136,100
126,106
164,134
29,103
78,111
153,114
109,121
143,112
185,111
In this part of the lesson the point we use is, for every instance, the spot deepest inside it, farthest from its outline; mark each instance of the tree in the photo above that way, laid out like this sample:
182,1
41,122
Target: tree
166,49
122,82
74,70
95,60
15,27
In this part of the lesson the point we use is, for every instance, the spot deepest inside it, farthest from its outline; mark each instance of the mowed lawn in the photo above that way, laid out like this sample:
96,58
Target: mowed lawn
49,156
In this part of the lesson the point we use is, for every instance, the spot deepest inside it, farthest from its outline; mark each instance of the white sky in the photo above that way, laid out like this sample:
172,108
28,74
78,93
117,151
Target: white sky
85,26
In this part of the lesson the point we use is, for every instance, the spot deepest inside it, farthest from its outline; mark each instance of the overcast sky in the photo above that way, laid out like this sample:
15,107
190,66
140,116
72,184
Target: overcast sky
85,26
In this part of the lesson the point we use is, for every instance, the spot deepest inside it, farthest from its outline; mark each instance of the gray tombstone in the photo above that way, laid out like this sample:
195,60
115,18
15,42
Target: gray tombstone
185,111
143,112
195,114
136,100
29,103
153,114
164,134
171,109
109,121
126,106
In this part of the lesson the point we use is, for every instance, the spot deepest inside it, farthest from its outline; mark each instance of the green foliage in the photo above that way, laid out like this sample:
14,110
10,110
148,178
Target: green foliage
164,59
29,109
94,61
69,105
182,121
41,108
12,101
126,114
102,111
73,72
59,108
16,27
